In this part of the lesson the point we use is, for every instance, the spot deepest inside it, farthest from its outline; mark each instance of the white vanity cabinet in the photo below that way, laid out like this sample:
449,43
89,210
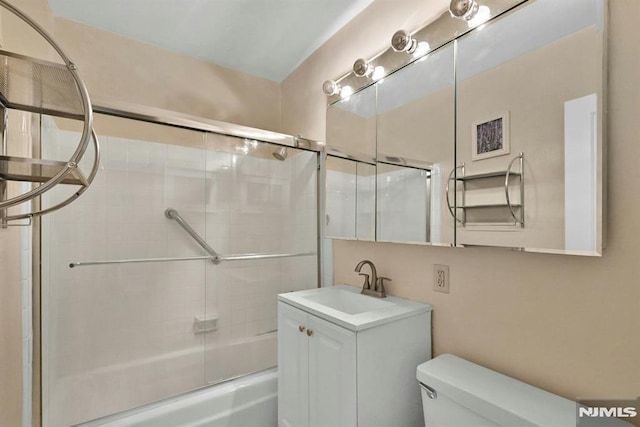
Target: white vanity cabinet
316,375
347,370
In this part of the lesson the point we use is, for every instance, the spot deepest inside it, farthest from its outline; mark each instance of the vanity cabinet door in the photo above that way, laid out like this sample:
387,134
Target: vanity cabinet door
332,375
316,371
293,362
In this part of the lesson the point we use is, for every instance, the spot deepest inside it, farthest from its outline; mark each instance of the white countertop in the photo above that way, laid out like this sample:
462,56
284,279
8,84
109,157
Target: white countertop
389,309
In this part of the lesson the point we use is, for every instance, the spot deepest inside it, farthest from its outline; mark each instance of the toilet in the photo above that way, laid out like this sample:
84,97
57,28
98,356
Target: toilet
458,393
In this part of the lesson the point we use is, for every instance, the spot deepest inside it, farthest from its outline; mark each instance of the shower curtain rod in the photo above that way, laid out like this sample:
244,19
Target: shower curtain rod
213,255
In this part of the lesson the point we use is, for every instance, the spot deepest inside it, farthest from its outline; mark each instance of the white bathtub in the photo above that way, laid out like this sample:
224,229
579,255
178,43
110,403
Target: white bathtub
249,401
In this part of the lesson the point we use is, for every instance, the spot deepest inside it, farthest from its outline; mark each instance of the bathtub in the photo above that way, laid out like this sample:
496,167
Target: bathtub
249,401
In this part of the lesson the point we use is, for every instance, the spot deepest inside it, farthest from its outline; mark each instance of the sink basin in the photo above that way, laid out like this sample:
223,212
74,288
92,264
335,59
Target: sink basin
349,302
345,306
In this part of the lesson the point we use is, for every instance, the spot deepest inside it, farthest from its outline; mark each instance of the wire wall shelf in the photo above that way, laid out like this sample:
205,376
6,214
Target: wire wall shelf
460,208
47,88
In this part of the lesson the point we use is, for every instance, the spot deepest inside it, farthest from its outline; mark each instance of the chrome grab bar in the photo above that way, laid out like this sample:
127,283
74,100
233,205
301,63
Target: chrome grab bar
446,192
506,189
241,257
173,214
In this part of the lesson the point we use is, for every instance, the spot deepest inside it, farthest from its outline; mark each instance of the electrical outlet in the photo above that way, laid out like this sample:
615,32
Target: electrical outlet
441,278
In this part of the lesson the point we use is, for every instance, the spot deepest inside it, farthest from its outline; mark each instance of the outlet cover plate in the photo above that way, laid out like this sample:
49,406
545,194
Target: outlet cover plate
441,278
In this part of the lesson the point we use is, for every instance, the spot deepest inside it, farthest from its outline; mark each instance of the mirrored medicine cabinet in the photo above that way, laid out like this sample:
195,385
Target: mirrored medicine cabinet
492,139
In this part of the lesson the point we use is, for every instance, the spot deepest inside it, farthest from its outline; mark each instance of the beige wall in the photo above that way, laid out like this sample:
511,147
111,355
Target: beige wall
566,324
139,73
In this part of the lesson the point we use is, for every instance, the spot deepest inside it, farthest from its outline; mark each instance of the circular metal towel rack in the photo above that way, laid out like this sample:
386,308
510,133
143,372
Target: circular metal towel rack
70,167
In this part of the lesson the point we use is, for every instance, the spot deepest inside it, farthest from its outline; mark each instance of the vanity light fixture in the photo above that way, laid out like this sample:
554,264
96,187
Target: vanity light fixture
362,68
330,87
401,41
463,9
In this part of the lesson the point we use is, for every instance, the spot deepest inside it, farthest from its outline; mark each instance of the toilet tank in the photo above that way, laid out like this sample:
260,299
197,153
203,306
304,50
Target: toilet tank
458,393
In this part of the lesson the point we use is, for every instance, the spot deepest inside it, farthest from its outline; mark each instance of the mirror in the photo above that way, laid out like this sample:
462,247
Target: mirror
350,167
415,131
403,204
350,199
531,82
351,126
518,103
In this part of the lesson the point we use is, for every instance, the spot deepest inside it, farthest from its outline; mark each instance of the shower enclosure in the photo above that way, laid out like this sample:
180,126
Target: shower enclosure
163,277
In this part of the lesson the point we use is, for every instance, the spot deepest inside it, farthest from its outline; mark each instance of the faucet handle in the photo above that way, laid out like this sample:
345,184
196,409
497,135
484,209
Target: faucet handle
380,284
366,284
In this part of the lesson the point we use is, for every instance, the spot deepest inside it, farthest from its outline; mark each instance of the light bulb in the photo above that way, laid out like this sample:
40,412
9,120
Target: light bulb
482,16
378,73
346,92
421,49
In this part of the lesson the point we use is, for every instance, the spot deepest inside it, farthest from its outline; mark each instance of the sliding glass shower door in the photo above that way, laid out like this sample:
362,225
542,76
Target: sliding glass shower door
134,321
261,199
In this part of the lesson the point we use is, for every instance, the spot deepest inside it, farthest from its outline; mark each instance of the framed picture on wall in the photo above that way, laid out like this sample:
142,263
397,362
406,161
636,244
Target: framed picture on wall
490,137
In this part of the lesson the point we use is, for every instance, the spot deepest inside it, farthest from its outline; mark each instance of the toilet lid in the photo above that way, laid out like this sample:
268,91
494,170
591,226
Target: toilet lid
501,399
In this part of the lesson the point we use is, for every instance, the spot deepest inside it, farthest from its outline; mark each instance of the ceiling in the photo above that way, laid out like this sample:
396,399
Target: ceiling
265,38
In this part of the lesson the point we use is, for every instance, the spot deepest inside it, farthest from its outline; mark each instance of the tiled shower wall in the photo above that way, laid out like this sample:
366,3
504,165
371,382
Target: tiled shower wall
118,336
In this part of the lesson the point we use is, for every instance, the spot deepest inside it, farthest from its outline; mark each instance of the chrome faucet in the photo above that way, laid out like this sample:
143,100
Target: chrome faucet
376,282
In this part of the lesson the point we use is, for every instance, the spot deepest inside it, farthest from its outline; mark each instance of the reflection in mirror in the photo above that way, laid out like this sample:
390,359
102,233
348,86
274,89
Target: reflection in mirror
350,199
415,131
340,202
403,198
351,124
532,82
365,201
